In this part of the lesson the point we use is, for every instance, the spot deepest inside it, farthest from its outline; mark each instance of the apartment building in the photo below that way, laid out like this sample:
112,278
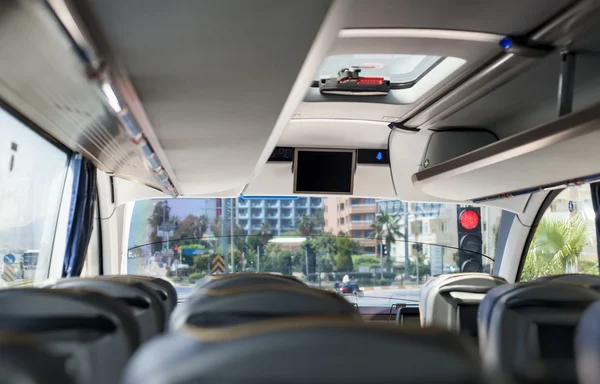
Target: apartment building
353,216
282,214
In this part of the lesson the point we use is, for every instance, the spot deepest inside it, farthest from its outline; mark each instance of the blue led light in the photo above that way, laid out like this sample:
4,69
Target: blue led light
269,197
379,156
506,43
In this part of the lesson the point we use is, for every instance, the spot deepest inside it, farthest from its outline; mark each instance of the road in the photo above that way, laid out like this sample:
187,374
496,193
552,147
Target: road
382,298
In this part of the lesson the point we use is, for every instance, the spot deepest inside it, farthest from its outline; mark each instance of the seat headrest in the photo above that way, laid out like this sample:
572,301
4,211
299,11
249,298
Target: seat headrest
573,278
165,290
233,280
313,349
221,307
98,332
448,301
144,302
24,360
527,329
587,345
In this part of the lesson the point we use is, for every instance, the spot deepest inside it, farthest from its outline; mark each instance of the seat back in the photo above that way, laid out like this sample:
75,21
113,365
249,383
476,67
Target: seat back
306,350
573,278
452,301
587,345
95,332
224,307
164,289
23,360
234,280
527,330
143,301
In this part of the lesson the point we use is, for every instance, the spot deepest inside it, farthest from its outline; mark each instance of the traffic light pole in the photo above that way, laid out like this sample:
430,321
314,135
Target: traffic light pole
381,260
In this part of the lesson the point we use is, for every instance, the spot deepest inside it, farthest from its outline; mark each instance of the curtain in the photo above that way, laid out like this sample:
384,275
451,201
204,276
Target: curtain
595,190
81,215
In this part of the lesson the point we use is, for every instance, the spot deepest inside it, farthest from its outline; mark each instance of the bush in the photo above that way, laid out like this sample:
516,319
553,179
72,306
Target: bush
170,273
195,277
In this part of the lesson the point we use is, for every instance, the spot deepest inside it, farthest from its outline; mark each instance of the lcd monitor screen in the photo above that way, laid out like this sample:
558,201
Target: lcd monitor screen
324,171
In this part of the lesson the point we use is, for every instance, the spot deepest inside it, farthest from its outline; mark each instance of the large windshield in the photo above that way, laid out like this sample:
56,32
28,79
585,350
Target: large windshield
372,251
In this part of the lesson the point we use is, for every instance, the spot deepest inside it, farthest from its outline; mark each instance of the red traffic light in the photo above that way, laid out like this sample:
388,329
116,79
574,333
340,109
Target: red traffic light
469,219
175,248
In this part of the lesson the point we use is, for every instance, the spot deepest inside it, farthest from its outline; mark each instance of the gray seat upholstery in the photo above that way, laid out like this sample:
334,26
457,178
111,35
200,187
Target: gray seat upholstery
527,330
24,361
96,333
451,301
243,279
224,307
306,350
165,290
143,301
587,346
573,278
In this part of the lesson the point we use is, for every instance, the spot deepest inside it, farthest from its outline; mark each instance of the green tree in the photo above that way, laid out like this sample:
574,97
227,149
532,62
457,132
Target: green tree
556,245
160,215
306,225
345,247
387,228
424,266
191,229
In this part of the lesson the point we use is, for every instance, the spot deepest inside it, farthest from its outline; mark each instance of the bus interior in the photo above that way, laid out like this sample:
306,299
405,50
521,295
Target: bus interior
384,191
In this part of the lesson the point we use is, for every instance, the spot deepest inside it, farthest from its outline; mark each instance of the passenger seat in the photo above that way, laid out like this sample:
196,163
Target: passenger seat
452,301
243,279
245,304
587,346
165,290
23,361
527,330
143,301
95,333
306,350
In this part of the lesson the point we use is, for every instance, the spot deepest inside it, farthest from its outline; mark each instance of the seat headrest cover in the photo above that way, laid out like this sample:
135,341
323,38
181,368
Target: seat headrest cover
587,346
572,278
24,361
315,349
435,306
245,304
244,279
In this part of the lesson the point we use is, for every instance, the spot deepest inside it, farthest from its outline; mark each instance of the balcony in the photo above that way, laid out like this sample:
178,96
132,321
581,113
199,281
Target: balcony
360,225
362,208
273,204
367,242
258,204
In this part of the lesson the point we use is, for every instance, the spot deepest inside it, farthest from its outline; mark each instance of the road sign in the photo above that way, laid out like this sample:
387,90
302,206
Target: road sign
8,273
217,264
167,227
9,259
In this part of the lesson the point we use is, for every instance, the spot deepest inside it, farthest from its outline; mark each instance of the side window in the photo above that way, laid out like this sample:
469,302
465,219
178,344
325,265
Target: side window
565,238
33,173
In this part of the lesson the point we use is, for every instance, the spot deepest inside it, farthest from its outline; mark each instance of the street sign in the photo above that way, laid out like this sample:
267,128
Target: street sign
167,227
217,264
9,259
437,260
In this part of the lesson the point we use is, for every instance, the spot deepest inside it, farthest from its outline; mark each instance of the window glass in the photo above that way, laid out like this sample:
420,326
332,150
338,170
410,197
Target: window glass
33,174
565,239
183,240
396,68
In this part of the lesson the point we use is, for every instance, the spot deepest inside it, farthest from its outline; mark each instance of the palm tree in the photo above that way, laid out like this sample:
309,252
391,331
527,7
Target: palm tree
265,234
556,245
306,225
387,228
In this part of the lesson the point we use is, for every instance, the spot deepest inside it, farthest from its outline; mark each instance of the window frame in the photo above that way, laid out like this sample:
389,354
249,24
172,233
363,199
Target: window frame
49,269
533,228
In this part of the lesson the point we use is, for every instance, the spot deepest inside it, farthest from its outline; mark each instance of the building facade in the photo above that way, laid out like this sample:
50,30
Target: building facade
353,216
283,215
